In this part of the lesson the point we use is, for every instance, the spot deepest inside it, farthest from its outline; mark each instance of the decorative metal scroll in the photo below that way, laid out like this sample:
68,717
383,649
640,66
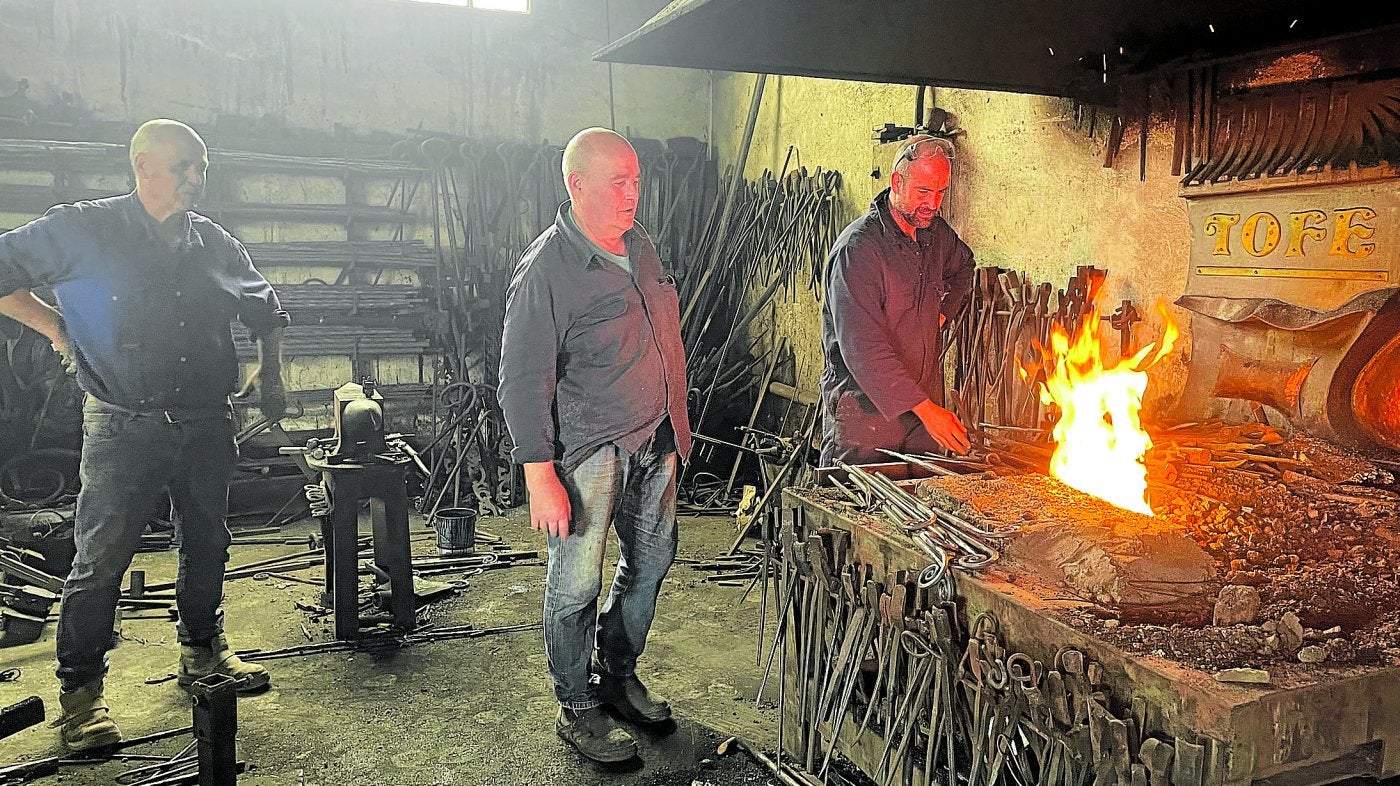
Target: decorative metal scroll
1284,130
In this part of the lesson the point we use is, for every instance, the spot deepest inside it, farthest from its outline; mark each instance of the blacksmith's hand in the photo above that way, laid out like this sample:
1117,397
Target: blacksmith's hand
63,345
549,500
65,355
943,426
272,398
273,402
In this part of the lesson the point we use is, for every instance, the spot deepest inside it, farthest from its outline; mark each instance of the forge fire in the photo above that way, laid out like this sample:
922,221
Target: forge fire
1099,439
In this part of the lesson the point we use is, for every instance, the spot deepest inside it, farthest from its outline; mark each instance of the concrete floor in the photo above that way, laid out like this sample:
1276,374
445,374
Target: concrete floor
454,712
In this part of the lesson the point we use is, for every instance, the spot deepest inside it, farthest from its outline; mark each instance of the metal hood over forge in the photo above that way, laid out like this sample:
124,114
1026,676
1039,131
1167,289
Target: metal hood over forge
1072,48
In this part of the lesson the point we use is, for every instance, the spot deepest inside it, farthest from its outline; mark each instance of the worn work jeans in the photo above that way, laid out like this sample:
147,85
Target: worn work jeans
128,460
636,494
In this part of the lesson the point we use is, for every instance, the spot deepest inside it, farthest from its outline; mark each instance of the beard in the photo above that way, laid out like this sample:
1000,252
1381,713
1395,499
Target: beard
916,220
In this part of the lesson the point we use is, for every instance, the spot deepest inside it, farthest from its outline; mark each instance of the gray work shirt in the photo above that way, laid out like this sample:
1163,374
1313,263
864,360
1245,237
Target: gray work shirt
590,354
884,294
621,260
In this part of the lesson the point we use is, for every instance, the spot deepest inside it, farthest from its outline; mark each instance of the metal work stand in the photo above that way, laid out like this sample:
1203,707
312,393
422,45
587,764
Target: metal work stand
216,729
382,483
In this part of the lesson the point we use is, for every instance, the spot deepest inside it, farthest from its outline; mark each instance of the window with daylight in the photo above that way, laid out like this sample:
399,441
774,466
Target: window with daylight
518,6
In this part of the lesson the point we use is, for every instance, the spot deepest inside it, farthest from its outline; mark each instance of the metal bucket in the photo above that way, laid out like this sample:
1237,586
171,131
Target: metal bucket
456,531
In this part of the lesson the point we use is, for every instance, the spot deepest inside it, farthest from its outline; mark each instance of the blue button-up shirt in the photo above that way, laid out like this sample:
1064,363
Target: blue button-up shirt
149,323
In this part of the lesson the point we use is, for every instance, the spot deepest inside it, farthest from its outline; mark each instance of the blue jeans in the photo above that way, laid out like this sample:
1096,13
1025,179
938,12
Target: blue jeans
636,495
129,460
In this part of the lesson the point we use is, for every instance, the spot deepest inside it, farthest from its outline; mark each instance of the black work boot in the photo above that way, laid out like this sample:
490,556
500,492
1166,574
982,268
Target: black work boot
631,699
595,735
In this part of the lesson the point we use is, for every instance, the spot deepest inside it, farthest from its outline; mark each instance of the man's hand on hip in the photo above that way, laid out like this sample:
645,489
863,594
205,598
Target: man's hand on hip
943,426
549,500
64,347
27,309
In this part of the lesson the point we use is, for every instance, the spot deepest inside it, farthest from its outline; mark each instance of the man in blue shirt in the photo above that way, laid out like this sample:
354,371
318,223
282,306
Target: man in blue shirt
146,290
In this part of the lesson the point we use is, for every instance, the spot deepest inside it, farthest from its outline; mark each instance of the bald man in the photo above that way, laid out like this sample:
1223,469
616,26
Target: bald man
146,290
894,276
593,389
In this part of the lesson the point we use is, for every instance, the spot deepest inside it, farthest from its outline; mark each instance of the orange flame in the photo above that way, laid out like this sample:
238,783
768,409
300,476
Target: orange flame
1099,439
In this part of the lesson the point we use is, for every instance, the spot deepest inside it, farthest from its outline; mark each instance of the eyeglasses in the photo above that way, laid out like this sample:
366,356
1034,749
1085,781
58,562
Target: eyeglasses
923,146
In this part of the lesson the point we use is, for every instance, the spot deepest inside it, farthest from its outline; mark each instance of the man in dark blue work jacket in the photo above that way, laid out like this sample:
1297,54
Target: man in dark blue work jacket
146,290
593,390
893,278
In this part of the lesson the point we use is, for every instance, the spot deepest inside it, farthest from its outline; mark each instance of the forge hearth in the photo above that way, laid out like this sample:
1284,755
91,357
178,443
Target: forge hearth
1312,525
1294,543
1157,582
1069,541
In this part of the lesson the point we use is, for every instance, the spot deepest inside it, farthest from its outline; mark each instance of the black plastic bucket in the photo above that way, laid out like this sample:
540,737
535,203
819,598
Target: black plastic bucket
456,531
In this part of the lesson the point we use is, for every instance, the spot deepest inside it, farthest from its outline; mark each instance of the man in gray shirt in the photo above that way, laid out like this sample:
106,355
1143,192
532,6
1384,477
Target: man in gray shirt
593,389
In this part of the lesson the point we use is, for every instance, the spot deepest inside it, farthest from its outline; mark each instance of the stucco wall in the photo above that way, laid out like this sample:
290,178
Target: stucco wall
361,65
1029,192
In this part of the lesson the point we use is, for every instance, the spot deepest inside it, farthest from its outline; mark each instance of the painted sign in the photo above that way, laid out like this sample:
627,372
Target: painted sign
1314,246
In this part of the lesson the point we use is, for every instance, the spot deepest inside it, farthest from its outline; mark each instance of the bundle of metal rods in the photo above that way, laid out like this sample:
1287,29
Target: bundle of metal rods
776,238
769,245
936,531
469,456
730,570
1025,449
28,771
999,333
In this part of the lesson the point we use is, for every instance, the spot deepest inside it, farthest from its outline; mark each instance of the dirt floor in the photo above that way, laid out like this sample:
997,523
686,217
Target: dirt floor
477,711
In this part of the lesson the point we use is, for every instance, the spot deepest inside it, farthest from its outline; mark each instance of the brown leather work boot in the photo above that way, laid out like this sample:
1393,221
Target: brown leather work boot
196,663
85,724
